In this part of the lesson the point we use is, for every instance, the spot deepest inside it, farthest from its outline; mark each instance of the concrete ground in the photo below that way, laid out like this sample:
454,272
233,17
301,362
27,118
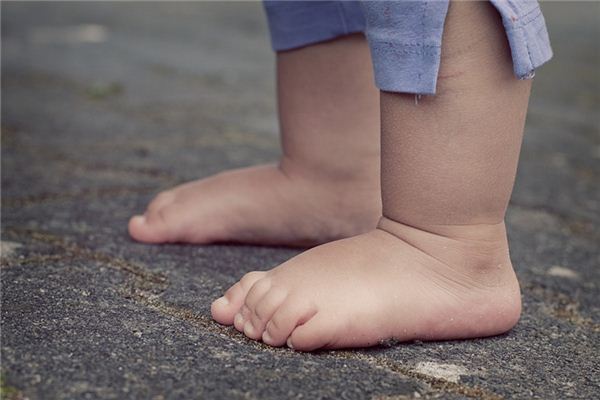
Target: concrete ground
104,104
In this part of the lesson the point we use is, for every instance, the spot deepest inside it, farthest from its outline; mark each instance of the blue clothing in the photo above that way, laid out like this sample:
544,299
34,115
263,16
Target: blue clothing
405,37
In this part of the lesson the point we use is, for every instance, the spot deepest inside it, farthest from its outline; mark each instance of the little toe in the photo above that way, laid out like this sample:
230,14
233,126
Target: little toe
291,313
225,308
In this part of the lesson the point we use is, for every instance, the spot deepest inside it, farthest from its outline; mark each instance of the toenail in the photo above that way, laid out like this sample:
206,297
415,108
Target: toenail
140,219
248,328
267,338
238,319
222,301
289,343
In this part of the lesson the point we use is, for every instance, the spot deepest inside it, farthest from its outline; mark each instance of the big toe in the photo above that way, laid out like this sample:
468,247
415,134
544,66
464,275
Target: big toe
144,230
225,308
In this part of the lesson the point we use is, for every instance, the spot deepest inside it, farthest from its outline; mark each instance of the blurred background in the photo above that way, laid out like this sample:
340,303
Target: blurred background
155,85
106,103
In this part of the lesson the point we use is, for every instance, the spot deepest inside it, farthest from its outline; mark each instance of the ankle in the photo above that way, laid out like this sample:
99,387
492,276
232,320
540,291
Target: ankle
476,249
473,258
482,232
333,171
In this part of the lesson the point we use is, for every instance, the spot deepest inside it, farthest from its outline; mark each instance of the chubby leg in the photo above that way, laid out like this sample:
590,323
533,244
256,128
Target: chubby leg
437,266
326,185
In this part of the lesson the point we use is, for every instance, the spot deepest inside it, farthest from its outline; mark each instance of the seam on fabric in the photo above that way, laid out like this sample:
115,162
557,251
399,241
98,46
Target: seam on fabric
512,23
527,21
384,47
410,44
423,30
511,26
534,9
530,74
530,68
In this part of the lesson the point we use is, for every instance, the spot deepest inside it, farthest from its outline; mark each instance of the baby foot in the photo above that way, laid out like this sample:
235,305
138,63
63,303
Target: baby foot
393,282
270,204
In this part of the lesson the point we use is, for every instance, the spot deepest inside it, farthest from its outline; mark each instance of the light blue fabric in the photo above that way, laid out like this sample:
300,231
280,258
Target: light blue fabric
527,34
294,24
405,37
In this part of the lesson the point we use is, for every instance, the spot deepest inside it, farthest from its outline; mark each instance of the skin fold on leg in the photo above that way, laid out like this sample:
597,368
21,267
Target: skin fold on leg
437,266
326,185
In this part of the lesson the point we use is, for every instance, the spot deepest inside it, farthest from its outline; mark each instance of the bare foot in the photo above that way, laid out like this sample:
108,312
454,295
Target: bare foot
327,185
393,282
270,204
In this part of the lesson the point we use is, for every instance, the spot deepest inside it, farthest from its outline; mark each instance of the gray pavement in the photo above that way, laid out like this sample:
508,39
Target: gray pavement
104,104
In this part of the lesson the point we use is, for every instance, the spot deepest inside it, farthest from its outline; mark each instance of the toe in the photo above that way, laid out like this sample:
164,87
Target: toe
263,311
136,224
152,227
291,313
316,333
257,292
225,308
239,321
161,200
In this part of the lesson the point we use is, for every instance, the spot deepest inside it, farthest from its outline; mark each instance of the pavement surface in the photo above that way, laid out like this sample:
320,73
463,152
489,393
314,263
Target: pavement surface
104,104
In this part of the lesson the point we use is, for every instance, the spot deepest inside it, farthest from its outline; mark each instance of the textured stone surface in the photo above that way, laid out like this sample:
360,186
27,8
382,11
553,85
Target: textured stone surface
103,104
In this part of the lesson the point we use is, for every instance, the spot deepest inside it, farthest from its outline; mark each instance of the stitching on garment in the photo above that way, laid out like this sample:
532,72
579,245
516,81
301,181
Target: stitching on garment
413,44
530,66
521,24
525,21
542,28
534,9
420,74
521,21
531,73
382,48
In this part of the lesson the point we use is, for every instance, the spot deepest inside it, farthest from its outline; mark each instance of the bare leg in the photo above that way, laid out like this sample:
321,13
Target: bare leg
437,266
326,185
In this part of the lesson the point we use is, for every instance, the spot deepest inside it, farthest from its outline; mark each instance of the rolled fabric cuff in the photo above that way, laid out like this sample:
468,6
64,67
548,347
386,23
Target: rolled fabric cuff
294,24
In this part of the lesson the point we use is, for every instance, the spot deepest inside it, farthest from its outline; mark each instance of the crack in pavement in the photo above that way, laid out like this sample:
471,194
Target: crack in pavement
145,287
93,193
437,384
60,159
576,225
157,282
562,307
